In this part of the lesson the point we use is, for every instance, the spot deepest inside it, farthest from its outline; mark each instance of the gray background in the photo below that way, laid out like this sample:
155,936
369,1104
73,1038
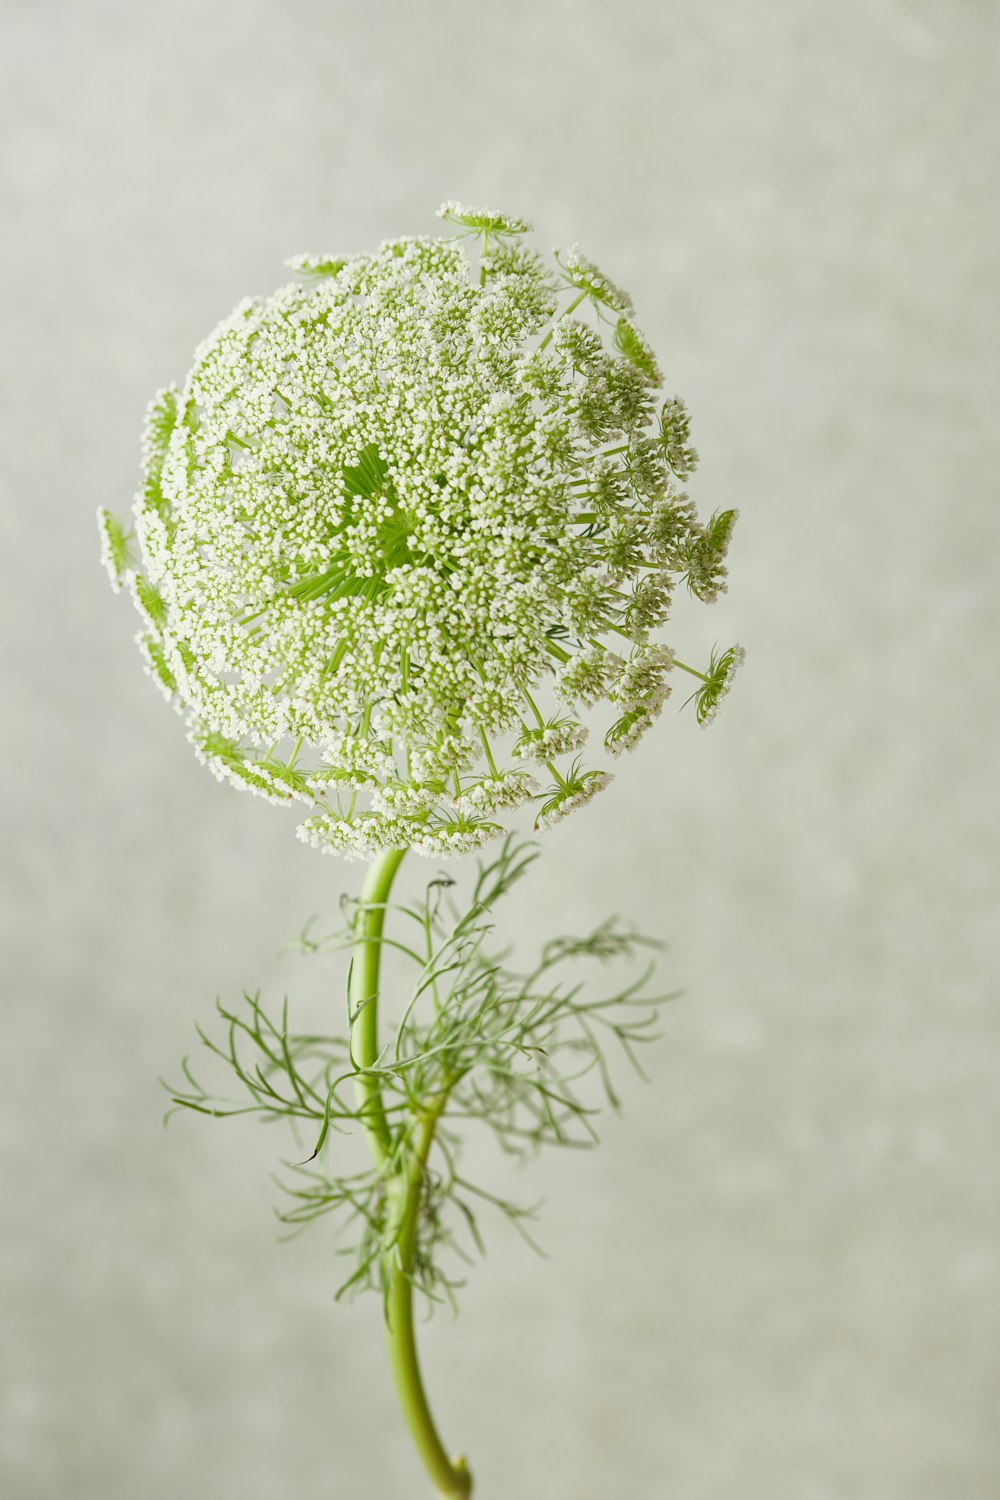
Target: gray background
779,1276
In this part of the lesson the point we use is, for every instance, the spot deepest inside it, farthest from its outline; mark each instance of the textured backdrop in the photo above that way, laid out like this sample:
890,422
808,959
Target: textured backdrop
780,1275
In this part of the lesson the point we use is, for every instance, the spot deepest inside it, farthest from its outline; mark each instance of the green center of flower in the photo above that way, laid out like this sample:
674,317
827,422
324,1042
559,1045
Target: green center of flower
371,505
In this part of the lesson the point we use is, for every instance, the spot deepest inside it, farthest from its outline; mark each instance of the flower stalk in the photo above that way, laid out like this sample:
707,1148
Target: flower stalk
450,1476
405,1161
363,999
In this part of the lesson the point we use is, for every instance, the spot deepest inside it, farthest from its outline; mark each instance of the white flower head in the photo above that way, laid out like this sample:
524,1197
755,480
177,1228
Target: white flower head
411,799
626,732
675,437
460,836
482,220
393,505
591,280
632,345
571,793
548,741
586,676
642,683
355,838
114,548
495,794
718,681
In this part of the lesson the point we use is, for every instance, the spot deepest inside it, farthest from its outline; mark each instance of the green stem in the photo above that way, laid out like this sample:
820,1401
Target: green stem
489,752
363,997
451,1476
565,314
554,650
405,1169
551,768
692,670
533,706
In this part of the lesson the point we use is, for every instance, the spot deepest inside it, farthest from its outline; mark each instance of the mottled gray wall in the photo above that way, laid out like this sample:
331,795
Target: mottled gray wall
779,1277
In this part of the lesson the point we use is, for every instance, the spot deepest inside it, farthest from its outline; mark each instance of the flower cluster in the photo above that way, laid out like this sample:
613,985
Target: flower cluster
408,518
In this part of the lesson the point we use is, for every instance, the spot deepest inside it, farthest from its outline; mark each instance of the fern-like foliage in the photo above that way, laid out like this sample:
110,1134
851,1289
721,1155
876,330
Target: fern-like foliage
476,1042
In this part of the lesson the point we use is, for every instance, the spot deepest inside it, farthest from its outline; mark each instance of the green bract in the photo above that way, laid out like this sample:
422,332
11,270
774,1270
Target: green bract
406,521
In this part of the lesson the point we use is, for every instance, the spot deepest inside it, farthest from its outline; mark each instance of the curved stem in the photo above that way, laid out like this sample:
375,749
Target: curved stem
405,1167
451,1476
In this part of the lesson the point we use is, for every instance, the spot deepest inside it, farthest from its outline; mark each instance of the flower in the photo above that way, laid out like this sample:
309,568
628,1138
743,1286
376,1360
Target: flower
114,547
483,220
399,524
499,793
719,679
571,792
592,282
548,741
631,343
675,438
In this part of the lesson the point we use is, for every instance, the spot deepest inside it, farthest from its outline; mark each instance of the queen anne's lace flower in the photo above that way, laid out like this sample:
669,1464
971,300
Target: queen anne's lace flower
500,793
592,282
482,220
405,521
576,790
